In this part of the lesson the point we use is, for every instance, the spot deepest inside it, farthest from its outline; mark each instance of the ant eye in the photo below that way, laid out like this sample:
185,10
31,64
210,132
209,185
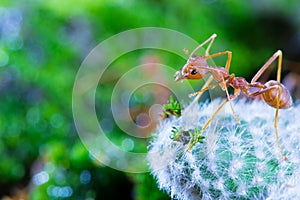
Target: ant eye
194,71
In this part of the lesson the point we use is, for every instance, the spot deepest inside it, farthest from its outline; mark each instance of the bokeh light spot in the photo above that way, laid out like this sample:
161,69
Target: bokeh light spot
85,177
4,58
142,120
128,144
59,192
40,178
33,115
57,120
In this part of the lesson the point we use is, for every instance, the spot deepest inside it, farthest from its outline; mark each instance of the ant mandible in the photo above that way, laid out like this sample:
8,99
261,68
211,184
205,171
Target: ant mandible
273,92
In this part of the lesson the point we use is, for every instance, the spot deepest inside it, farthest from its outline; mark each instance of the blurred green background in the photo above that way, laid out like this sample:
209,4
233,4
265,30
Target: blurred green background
42,44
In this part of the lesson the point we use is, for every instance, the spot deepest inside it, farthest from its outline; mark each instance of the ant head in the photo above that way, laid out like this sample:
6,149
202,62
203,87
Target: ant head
195,68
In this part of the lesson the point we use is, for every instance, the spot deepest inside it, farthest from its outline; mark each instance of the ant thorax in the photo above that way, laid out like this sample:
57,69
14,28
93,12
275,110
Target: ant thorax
220,75
197,61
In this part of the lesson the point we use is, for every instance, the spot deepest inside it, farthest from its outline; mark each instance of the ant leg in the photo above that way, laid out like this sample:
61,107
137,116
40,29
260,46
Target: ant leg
224,84
264,89
267,64
276,124
276,113
227,67
210,39
211,118
258,74
278,102
227,94
229,54
210,44
207,87
204,89
231,106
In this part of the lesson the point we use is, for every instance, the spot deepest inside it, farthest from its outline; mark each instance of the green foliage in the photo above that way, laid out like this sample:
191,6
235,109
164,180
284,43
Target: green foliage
173,108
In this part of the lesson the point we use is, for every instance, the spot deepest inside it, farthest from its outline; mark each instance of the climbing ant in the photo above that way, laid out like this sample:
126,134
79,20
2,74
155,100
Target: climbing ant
273,92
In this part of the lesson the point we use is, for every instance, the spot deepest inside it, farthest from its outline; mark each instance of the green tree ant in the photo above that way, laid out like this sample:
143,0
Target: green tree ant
272,92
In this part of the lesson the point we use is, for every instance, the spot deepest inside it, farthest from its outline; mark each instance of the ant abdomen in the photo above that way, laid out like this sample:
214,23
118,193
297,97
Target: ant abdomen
270,96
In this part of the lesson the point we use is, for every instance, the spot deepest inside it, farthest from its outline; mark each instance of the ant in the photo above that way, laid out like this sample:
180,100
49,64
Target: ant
272,92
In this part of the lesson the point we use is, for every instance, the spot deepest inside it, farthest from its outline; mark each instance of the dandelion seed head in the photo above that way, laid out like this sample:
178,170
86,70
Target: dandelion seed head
234,161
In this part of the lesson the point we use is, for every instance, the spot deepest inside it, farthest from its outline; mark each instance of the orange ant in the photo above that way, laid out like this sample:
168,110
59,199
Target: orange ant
273,92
